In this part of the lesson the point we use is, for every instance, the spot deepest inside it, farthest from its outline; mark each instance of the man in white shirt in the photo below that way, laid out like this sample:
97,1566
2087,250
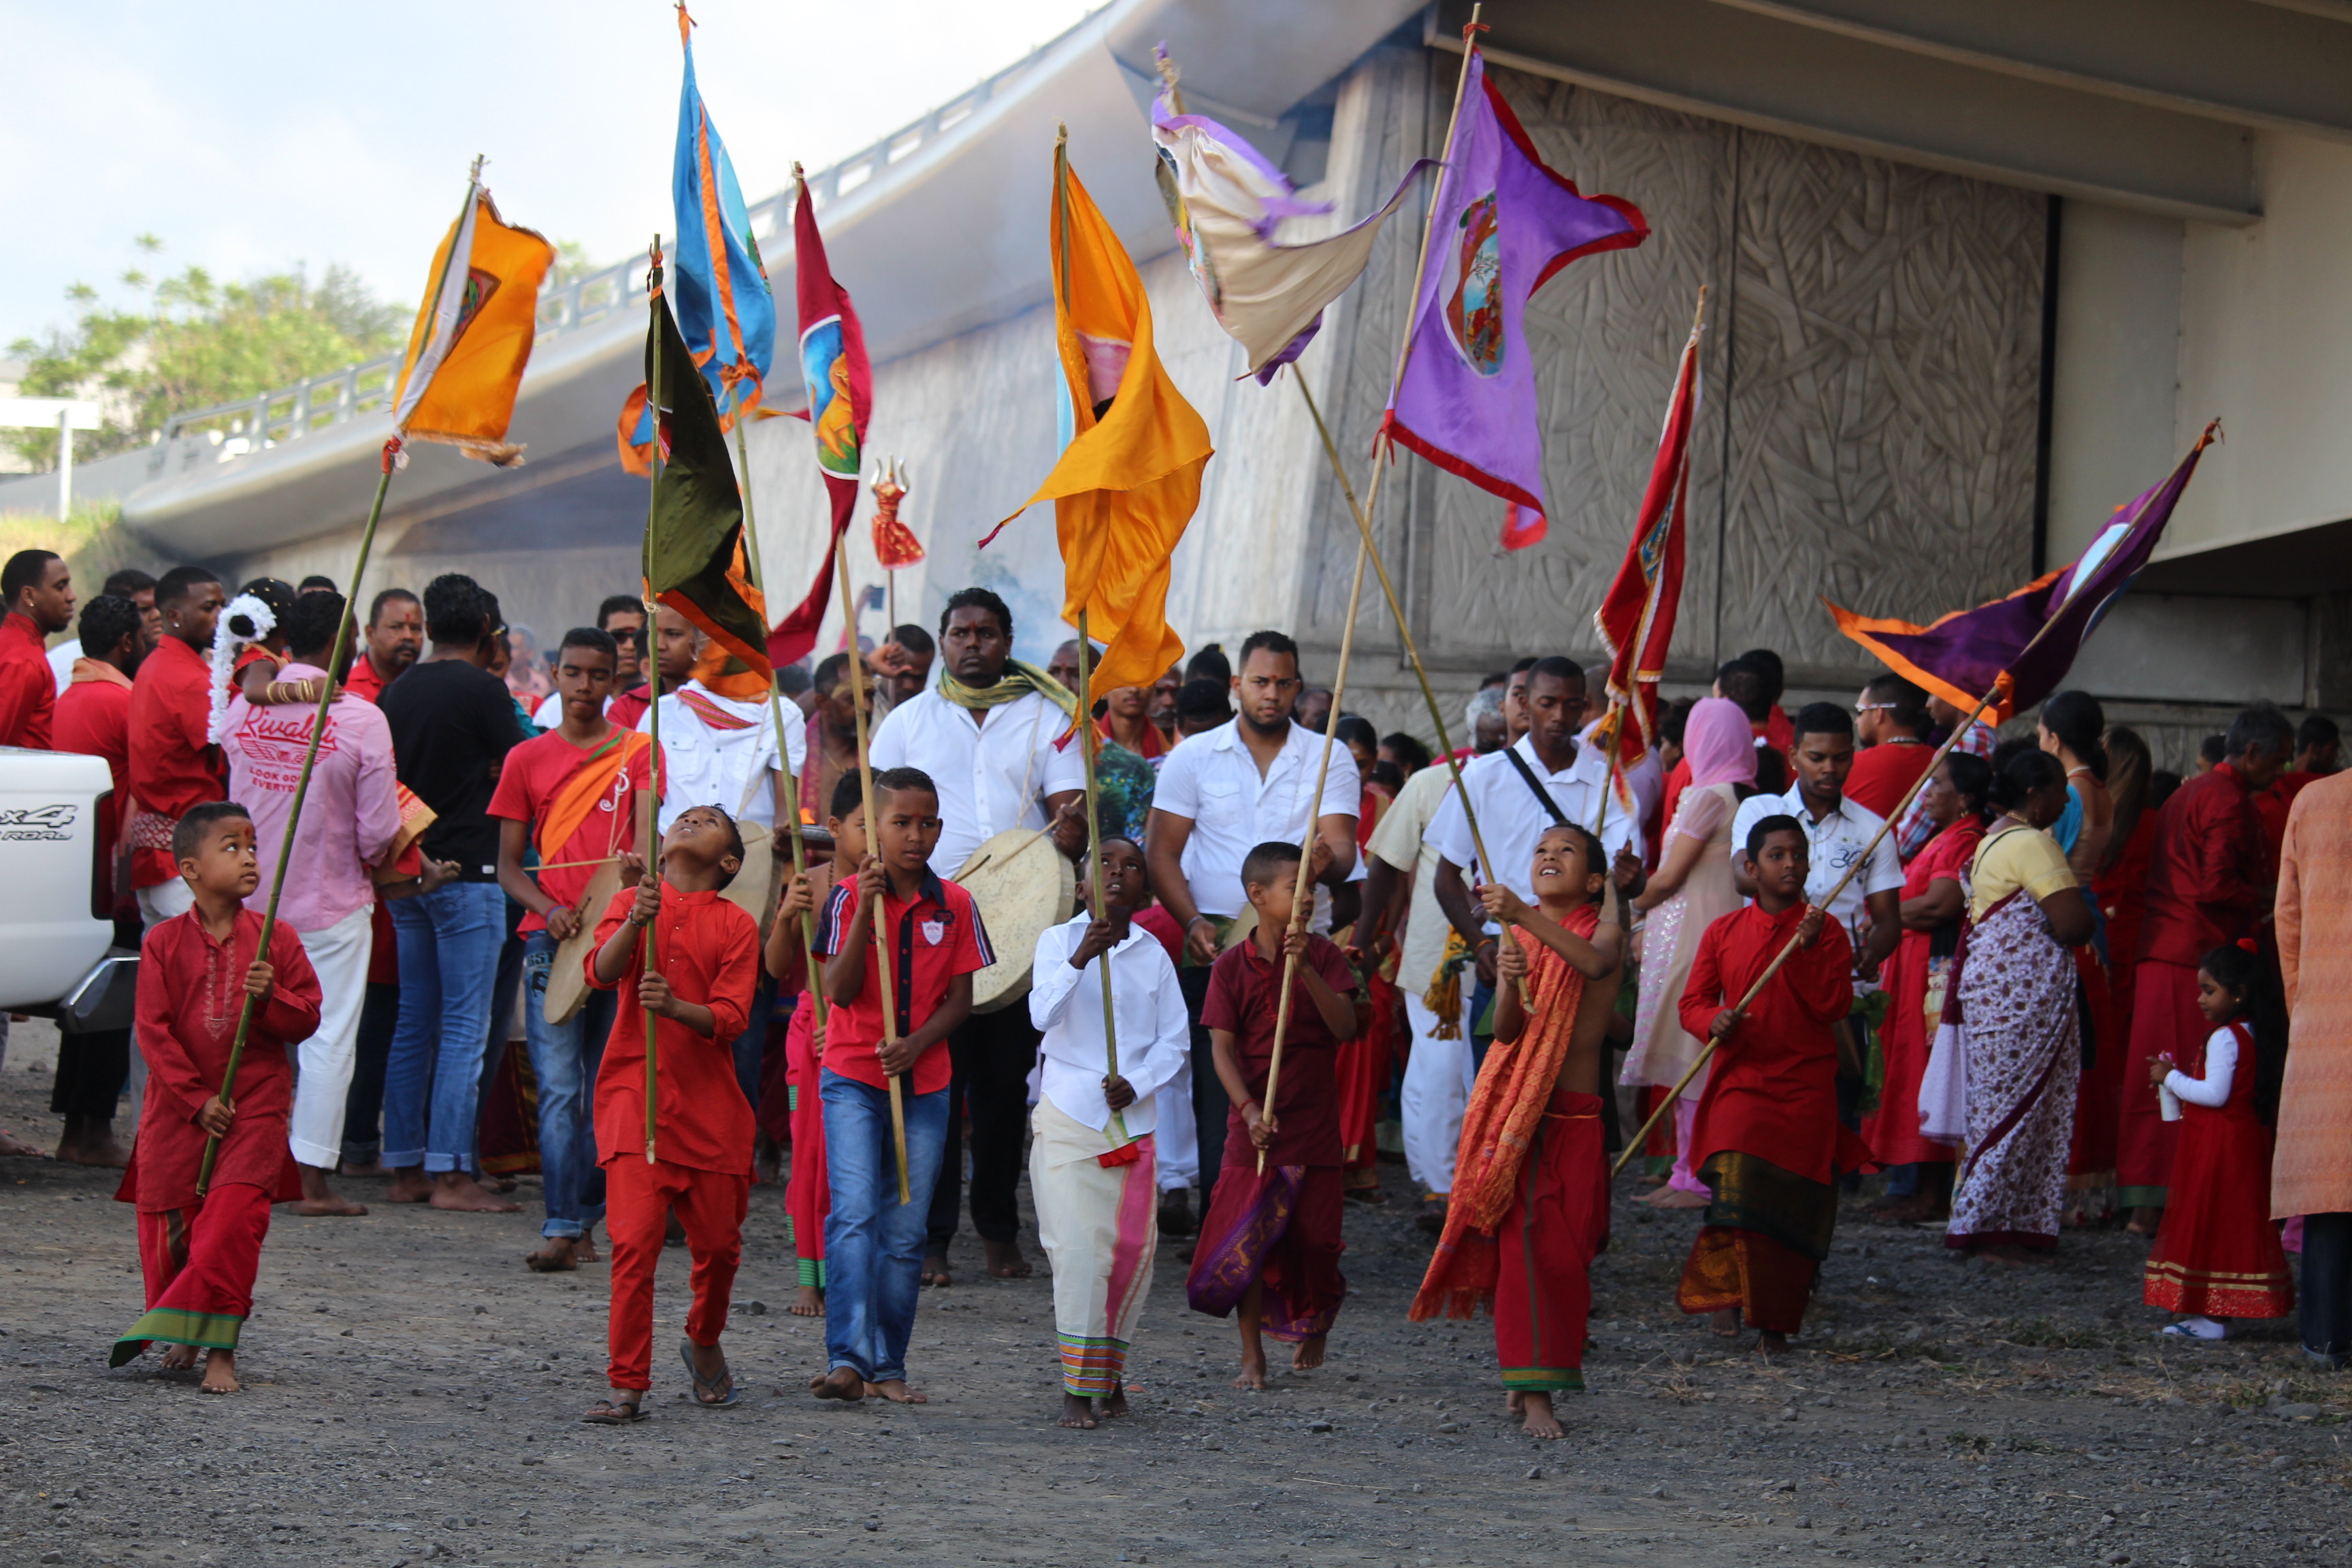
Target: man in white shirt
1821,755
717,749
1542,779
1100,1243
985,735
1221,794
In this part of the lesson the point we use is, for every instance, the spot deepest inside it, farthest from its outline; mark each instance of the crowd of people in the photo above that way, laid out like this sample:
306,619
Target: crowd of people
2037,982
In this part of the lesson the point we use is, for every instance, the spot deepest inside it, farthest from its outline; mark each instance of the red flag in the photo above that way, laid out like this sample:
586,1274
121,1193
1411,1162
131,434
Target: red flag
1636,620
840,396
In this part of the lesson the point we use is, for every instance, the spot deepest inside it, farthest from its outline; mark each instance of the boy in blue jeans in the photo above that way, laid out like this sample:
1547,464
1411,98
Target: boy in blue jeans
873,1242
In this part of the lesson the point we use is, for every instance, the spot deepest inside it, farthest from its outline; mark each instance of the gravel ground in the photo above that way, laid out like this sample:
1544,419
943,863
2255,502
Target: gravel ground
413,1395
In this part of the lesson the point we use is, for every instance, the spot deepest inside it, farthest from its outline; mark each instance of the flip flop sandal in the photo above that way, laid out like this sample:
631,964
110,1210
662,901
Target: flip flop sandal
608,1413
734,1391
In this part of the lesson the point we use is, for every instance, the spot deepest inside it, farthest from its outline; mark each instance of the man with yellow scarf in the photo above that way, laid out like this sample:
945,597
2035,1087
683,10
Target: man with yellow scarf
986,736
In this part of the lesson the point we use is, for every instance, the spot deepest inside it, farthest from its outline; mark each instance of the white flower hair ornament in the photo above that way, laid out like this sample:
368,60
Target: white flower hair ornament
244,622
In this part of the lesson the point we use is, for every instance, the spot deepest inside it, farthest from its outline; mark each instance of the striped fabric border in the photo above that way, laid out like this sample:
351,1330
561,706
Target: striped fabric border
177,1326
1091,1368
1543,1380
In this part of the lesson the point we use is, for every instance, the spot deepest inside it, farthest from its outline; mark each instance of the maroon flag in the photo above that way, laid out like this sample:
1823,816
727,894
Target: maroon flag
840,396
2018,648
1636,620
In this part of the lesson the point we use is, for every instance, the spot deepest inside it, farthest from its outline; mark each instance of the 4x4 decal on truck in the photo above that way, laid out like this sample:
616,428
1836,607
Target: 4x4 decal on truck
37,821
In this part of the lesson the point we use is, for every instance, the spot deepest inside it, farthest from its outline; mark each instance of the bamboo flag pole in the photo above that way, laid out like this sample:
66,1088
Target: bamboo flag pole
344,630
343,635
889,990
651,840
1087,738
1886,827
791,826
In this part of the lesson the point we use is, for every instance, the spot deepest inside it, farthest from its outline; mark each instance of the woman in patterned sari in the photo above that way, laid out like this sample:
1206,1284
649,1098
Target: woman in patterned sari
2015,993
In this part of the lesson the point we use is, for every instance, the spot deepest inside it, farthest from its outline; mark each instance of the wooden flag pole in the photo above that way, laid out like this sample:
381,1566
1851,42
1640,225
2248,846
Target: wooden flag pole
791,828
889,990
652,837
1789,947
344,630
1086,742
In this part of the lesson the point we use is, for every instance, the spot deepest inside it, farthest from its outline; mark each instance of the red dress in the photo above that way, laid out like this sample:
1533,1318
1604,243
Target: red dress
1893,1129
2217,1253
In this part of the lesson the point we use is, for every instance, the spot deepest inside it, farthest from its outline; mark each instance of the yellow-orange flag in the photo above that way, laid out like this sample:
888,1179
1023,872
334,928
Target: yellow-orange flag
473,335
1130,476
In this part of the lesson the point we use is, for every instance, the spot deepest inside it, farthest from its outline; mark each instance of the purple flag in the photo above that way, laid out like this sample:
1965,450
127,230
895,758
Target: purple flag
2020,647
1504,223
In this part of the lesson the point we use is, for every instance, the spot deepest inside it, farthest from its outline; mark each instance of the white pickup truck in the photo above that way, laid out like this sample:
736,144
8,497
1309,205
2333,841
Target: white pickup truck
57,958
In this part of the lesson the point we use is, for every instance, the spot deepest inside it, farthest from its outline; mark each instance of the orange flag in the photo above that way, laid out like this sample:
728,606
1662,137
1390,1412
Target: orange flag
473,335
1129,474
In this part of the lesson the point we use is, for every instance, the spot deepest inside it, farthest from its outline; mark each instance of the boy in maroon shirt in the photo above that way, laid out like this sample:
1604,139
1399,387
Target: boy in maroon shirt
696,978
1270,1244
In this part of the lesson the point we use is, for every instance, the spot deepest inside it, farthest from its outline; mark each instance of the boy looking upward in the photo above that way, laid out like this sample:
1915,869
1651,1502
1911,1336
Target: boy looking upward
1530,1204
200,1255
1271,1243
873,1242
698,964
1767,1140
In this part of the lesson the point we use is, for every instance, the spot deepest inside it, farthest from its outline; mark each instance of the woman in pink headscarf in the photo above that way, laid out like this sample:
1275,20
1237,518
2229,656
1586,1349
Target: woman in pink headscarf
1691,889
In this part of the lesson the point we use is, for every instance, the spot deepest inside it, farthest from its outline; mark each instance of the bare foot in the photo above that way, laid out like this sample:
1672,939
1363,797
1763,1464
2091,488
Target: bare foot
1310,1353
1077,1411
1724,1324
1772,1344
556,1255
501,1184
458,1192
896,1390
220,1372
935,1269
809,1303
585,1251
2007,1254
363,1168
841,1382
1676,1198
321,1200
2146,1220
1540,1422
18,1147
90,1141
410,1184
1116,1405
178,1358
1004,1260
1253,1373
1514,1403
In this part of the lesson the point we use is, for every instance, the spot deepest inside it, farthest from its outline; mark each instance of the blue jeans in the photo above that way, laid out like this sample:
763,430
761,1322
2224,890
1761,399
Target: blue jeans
563,1059
449,941
874,1243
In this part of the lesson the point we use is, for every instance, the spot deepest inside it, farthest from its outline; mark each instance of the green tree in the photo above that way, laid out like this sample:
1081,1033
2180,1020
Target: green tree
191,342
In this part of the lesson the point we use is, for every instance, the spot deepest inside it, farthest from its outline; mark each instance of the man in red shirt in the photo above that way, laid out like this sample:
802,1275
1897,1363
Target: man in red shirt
394,634
931,930
38,593
699,965
173,763
92,719
1890,722
571,792
2206,889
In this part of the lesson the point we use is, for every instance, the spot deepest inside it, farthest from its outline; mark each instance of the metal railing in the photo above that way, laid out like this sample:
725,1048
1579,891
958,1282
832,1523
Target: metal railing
290,412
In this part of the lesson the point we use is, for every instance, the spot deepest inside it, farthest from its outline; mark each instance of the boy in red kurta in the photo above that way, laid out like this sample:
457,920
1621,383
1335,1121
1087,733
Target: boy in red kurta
1767,1140
1530,1200
694,1157
1270,1244
201,1251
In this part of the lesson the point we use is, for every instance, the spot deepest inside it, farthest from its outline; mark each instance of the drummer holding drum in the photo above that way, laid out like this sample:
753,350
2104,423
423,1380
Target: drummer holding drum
985,735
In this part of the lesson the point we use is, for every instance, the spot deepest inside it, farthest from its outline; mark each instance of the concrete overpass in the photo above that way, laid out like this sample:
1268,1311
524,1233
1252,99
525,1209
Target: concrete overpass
1981,270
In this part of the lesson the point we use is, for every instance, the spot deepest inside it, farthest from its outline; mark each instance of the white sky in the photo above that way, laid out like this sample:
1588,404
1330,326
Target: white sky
250,136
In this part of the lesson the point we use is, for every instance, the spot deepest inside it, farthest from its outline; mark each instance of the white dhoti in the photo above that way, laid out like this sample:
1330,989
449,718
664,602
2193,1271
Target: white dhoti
1438,1078
322,1063
1179,1134
1099,1226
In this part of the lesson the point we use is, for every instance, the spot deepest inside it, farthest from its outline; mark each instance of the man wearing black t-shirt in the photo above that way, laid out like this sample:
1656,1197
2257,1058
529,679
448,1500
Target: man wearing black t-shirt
452,726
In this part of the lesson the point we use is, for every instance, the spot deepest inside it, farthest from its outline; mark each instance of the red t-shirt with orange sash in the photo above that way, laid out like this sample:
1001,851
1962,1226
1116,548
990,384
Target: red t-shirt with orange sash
580,806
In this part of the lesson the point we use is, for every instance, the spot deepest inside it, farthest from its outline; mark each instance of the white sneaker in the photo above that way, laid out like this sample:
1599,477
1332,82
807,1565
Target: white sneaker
2197,1329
